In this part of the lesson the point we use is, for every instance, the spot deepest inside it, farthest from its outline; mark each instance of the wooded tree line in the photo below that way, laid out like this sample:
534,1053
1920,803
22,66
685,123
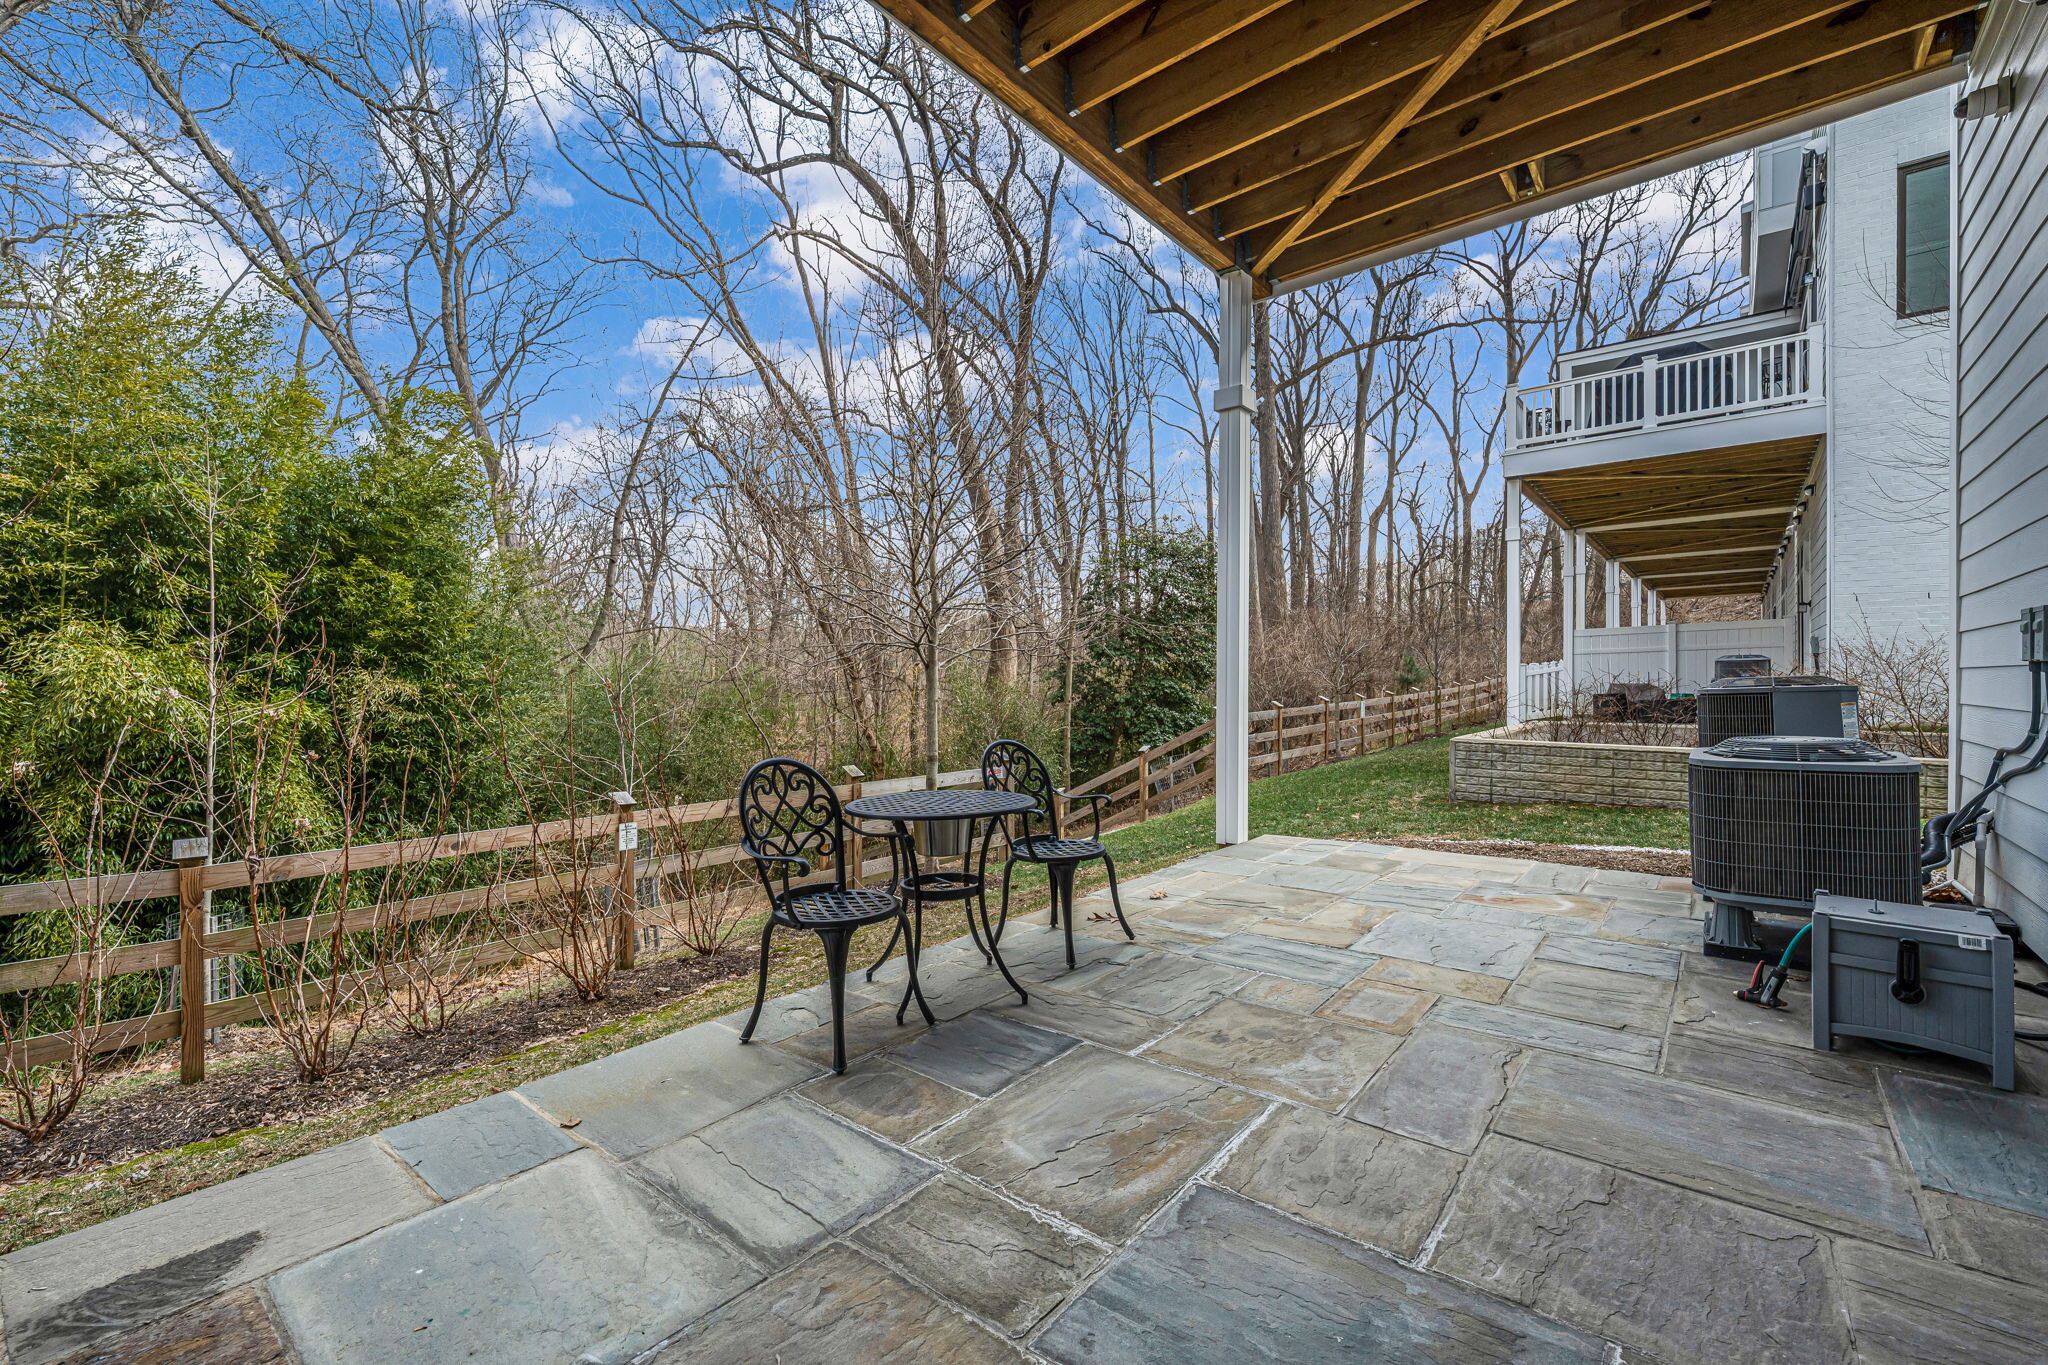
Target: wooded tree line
913,442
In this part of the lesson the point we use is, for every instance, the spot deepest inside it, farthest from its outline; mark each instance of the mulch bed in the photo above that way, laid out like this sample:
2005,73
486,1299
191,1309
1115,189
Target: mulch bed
160,1116
1656,861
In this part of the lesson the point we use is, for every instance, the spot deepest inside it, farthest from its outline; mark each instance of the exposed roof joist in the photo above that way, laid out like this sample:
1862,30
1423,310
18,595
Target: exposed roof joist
1293,137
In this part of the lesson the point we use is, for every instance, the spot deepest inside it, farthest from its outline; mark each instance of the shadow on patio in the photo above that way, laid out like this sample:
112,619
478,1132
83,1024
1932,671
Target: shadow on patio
1340,1101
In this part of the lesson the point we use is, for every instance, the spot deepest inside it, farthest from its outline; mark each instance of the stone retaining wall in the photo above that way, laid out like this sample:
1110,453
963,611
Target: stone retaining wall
1515,763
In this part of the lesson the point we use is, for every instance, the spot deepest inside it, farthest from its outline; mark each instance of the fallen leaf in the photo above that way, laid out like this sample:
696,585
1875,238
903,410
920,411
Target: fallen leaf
1158,895
571,1123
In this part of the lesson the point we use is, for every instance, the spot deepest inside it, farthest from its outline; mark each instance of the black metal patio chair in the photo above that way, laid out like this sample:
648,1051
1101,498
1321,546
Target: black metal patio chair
1010,766
790,823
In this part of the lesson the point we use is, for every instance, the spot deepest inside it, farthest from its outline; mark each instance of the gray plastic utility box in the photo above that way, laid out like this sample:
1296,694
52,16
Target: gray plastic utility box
1927,976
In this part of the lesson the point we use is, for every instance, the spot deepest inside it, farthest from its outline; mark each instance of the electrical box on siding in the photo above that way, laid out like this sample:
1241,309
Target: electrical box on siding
1926,976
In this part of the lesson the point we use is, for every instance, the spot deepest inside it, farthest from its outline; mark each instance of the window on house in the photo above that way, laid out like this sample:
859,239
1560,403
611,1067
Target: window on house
1923,237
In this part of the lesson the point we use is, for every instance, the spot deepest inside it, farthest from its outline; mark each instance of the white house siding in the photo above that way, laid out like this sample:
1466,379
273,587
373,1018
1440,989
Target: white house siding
2001,477
1888,385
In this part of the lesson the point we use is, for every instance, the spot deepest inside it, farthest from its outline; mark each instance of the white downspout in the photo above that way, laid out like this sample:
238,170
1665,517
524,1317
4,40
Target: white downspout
1234,402
1574,612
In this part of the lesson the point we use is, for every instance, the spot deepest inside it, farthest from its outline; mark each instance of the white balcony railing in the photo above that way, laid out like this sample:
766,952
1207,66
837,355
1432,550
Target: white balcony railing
1781,372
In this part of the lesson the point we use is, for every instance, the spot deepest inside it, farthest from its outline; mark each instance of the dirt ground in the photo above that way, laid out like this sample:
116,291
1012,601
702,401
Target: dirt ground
253,1083
1660,862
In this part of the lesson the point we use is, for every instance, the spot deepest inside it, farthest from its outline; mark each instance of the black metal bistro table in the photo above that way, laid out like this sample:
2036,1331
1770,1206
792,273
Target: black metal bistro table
981,811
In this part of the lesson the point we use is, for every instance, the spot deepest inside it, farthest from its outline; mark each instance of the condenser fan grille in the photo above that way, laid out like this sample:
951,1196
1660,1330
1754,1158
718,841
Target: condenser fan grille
1783,831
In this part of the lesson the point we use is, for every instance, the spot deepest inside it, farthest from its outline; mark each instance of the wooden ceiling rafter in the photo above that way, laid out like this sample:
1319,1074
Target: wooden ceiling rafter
1297,138
1487,16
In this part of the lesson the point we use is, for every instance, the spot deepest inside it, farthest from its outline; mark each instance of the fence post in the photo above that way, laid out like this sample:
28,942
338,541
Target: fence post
1144,783
850,874
1329,729
628,889
190,855
1279,736
1363,741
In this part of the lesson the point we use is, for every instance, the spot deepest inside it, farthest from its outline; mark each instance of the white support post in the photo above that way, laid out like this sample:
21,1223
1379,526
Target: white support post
1234,402
1612,616
1511,593
1640,617
1574,614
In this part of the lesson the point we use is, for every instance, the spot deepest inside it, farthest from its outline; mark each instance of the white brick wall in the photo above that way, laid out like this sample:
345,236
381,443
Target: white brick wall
1890,439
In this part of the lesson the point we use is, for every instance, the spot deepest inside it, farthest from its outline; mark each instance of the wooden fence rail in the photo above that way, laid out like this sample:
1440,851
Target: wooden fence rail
1151,783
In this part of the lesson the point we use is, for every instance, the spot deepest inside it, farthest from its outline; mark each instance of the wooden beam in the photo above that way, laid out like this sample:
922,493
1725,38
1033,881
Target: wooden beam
1695,554
1148,40
1280,42
982,52
1337,80
1479,21
1053,26
1411,174
1418,207
1521,51
1691,519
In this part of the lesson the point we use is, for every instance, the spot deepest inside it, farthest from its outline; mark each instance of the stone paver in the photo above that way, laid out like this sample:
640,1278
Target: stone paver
1986,1236
785,1016
572,1261
73,1291
1707,1005
1816,1081
1986,1144
1311,962
234,1329
865,1030
1100,1138
1593,995
1371,1185
1611,954
1648,926
1302,931
1378,1104
1820,1170
1460,945
1693,1280
778,1178
1420,976
1376,1004
1443,1086
1317,876
1277,992
1568,1036
478,1143
989,1256
1907,1310
983,1052
1558,926
638,1099
1083,1016
1168,985
886,1099
837,1307
1316,1061
1218,1278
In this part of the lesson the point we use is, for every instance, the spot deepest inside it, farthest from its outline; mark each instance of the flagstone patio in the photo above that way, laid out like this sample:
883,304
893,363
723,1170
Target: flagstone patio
1338,1101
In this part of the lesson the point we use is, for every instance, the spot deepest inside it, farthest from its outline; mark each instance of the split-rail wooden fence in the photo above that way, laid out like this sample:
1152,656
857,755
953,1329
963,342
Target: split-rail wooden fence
1158,779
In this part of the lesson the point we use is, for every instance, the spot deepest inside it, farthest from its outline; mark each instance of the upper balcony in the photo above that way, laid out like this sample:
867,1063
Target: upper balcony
1735,383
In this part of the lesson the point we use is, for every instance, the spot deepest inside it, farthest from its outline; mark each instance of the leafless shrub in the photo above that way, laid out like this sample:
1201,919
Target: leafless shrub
54,1026
1903,681
702,907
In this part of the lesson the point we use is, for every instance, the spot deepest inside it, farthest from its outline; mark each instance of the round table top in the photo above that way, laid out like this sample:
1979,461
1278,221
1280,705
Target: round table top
958,803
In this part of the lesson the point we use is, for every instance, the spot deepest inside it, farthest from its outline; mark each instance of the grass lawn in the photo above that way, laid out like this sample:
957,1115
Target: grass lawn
1389,794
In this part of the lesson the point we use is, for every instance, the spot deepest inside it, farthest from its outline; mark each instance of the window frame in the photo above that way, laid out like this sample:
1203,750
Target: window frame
1906,171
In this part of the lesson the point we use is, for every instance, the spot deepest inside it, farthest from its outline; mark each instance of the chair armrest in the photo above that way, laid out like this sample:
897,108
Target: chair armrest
803,865
1096,801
